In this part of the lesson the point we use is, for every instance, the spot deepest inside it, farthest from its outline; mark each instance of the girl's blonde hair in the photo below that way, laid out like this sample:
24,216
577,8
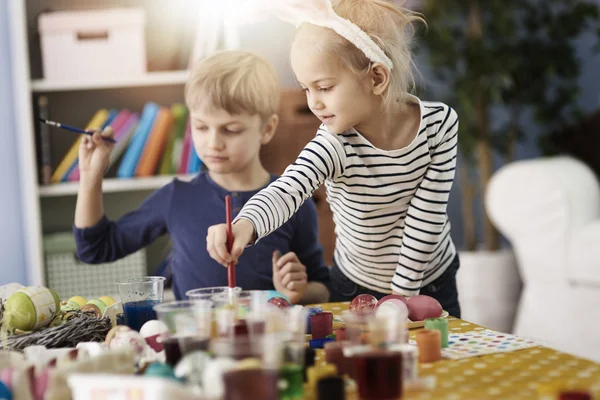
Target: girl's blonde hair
391,27
235,81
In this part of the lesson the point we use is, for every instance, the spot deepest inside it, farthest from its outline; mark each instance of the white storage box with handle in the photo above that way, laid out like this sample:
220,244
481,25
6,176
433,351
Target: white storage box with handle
93,44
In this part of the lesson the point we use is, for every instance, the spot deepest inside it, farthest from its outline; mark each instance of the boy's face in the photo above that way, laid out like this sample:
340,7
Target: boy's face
227,143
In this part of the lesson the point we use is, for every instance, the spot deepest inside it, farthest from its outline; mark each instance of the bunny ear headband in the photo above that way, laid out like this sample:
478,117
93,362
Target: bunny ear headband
316,12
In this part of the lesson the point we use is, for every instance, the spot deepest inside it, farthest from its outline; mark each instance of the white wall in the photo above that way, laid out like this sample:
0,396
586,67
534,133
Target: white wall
12,254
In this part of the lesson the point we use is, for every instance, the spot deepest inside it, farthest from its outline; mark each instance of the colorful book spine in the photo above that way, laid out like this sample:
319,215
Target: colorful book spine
69,159
150,158
185,151
180,115
135,148
194,162
123,137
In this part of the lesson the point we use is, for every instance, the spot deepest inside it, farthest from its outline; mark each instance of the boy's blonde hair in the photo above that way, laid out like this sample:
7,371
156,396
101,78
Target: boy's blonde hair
235,81
391,28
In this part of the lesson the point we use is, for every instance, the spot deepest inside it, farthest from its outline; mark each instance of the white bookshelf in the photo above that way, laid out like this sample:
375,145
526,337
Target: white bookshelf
148,79
32,193
113,185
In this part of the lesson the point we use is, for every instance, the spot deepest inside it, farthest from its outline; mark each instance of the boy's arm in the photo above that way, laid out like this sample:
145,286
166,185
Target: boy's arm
100,240
316,292
426,216
305,243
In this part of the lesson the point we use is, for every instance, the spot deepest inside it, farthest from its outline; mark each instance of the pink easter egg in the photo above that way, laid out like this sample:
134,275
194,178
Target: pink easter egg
393,307
279,302
363,302
392,296
422,307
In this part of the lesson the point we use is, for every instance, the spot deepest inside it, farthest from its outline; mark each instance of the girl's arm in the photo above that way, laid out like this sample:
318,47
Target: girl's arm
426,216
322,158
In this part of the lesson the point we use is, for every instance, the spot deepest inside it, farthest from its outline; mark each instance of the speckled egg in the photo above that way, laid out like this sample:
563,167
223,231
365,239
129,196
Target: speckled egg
363,302
128,340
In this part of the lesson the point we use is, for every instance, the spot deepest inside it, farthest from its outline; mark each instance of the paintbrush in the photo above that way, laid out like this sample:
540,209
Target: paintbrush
72,129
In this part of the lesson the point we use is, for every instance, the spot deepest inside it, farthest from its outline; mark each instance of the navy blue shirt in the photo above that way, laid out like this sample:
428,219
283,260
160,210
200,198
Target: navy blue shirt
185,211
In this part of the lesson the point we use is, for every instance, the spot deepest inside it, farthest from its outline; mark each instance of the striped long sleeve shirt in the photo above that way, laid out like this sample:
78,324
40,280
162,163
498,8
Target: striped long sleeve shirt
389,206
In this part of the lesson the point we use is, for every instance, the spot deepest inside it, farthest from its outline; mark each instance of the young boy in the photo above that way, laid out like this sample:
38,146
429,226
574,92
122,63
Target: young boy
233,98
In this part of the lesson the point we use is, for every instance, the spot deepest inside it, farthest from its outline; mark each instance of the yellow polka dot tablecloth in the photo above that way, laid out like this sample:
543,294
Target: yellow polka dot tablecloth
520,374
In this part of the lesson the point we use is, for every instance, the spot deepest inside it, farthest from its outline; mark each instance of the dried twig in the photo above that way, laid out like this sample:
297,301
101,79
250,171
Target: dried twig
79,327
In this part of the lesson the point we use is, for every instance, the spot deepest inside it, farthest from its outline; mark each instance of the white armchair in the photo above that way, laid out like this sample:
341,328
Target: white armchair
549,209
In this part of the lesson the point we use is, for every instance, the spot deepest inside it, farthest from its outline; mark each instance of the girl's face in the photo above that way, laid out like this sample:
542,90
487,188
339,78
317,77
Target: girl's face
339,97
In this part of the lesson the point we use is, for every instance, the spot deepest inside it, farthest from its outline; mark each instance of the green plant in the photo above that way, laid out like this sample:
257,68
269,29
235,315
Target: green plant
511,57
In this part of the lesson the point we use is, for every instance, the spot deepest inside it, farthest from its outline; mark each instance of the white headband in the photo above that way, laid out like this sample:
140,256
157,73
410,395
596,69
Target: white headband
316,12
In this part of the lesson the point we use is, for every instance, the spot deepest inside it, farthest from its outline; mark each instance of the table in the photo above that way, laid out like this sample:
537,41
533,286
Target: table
508,376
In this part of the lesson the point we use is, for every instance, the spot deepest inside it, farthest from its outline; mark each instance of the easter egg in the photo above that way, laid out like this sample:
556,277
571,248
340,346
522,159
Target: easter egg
69,305
111,333
392,296
128,340
160,370
56,300
363,302
31,308
422,307
279,302
393,308
98,303
275,293
109,301
79,300
152,332
20,311
94,309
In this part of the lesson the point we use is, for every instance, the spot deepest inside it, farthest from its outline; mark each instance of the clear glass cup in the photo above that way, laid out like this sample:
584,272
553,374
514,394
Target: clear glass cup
138,297
373,349
189,323
243,315
210,292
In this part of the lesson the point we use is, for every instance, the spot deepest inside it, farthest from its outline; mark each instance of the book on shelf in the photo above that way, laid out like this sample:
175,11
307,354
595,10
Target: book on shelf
180,116
156,141
46,159
135,148
185,151
155,144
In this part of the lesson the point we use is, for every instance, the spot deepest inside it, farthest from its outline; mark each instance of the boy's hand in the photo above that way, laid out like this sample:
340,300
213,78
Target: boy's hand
216,241
94,153
289,276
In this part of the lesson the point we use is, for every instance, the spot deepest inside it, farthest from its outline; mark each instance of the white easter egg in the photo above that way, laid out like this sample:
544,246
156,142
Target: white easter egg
152,328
